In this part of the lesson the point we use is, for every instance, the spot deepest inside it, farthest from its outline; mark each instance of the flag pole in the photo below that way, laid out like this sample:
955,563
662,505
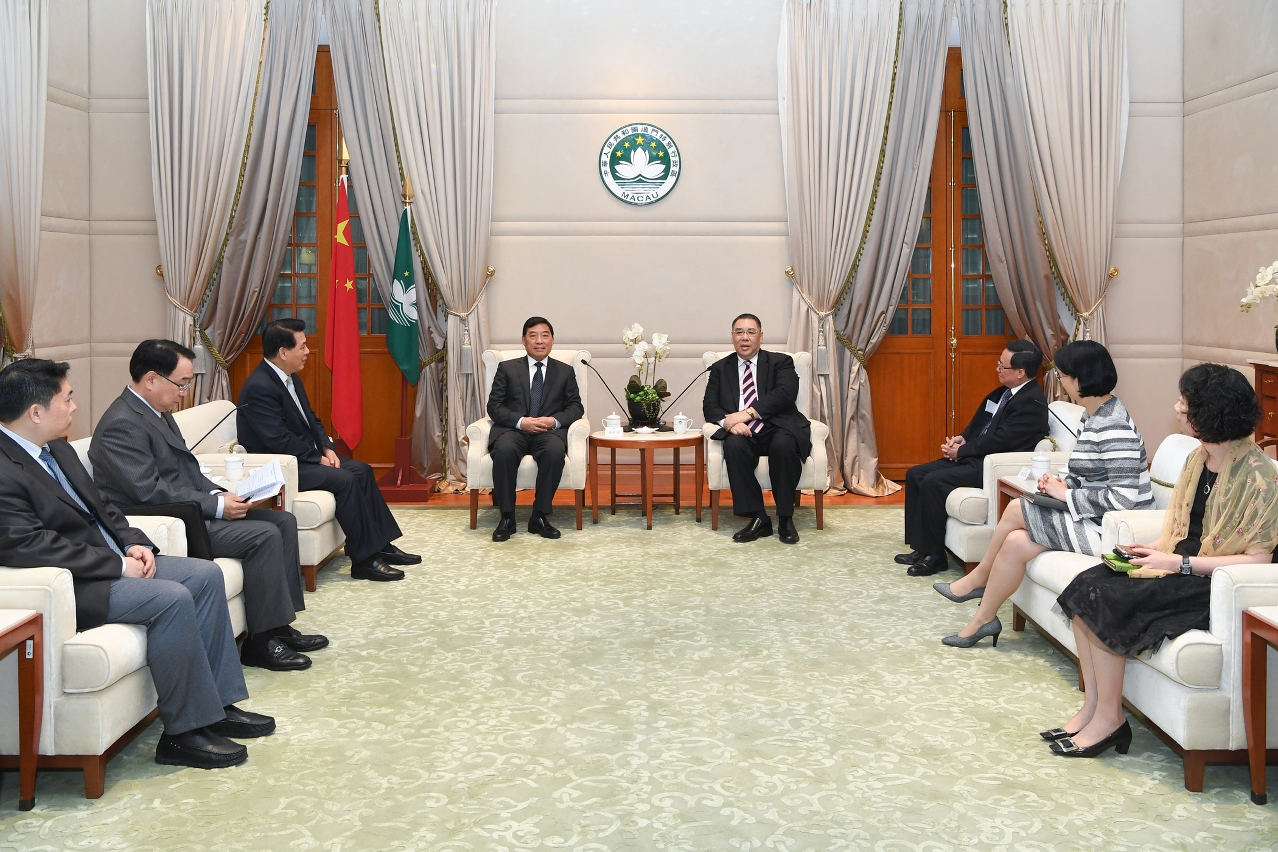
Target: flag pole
403,484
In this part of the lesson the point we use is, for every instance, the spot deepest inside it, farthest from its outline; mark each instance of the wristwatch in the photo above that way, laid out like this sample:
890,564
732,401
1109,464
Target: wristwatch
1185,566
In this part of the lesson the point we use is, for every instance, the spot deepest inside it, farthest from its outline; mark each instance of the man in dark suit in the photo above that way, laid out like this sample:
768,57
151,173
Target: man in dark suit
141,459
1012,418
751,394
51,514
533,402
276,417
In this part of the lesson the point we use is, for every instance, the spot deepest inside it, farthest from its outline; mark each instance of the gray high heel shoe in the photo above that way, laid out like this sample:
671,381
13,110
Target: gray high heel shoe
989,628
944,590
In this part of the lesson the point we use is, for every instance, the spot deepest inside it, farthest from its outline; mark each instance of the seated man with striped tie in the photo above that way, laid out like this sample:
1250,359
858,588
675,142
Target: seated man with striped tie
751,394
532,403
1011,419
51,514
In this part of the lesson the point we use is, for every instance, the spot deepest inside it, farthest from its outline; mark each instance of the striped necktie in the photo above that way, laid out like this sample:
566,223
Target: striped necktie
750,397
51,464
538,383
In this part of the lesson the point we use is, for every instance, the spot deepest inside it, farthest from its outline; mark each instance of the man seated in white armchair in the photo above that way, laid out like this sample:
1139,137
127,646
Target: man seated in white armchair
51,514
533,401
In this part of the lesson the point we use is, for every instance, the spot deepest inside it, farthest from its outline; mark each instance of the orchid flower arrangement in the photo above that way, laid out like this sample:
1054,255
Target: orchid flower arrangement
1263,286
644,388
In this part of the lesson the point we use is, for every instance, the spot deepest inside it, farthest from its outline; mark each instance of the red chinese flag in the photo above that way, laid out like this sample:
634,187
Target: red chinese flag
341,341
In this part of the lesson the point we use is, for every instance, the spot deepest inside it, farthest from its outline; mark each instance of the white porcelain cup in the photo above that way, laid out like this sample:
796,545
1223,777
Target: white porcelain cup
1040,465
234,468
681,423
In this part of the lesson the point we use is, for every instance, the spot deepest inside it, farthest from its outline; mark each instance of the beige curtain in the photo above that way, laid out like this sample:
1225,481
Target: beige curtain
440,75
264,217
24,56
202,69
1070,60
1014,245
835,69
376,181
897,212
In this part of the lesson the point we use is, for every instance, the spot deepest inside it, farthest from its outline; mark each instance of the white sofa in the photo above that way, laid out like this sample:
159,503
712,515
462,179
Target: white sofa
98,693
479,464
210,431
1189,692
973,512
816,470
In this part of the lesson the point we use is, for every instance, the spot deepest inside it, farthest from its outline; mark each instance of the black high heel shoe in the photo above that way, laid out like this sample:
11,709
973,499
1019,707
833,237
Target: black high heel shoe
1121,740
1056,734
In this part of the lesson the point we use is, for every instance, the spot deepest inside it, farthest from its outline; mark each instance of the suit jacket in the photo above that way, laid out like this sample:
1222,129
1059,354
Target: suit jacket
777,387
1018,427
40,524
268,420
142,460
511,396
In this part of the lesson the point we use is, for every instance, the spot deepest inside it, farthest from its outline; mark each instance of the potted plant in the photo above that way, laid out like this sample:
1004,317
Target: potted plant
1263,286
645,391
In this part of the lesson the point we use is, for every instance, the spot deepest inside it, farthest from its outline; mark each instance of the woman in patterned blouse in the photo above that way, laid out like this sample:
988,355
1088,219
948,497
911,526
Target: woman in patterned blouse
1107,470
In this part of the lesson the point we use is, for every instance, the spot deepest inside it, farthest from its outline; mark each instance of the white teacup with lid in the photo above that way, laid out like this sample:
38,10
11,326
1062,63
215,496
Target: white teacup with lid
681,423
234,467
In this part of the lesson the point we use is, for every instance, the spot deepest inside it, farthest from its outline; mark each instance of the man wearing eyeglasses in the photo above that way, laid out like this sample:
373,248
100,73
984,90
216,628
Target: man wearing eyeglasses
1012,418
141,459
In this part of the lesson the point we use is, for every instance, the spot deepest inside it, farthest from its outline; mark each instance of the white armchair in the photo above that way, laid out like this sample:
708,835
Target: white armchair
816,470
209,430
973,512
98,692
479,464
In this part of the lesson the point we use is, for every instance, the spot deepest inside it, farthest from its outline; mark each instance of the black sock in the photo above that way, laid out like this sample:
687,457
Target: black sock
507,516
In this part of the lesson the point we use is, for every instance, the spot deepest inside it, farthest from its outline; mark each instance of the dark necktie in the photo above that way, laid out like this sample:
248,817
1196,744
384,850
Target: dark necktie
172,424
51,464
538,382
750,397
1002,401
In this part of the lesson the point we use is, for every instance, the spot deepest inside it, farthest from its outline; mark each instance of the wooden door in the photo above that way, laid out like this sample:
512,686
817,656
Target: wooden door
302,287
937,361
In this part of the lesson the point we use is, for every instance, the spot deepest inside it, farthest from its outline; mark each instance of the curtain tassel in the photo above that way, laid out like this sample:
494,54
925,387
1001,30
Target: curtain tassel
822,355
467,364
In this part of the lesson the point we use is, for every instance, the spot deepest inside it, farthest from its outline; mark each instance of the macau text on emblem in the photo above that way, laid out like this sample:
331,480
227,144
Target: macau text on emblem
639,163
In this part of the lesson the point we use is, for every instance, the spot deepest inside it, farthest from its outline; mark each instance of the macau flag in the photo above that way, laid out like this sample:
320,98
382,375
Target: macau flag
401,333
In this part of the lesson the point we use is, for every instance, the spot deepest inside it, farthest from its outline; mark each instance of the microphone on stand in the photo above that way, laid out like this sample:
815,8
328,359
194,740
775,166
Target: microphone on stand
666,407
605,384
1068,428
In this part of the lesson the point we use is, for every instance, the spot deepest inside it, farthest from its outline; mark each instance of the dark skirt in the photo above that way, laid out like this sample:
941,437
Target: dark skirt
1131,615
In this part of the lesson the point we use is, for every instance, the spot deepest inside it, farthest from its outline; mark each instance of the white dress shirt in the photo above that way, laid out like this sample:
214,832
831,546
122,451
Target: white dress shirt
34,451
754,370
532,372
288,384
220,501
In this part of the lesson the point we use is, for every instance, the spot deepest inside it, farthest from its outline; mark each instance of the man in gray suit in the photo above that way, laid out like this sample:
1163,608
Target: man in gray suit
141,459
50,514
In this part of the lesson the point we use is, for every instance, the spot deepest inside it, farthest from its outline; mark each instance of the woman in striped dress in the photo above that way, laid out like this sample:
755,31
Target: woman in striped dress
1107,470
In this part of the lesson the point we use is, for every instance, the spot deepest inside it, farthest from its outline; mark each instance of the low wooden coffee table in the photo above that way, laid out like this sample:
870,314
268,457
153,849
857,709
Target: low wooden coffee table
1012,488
647,445
23,630
1259,631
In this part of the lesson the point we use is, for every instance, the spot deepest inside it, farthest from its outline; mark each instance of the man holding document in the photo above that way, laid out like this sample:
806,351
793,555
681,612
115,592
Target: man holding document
141,459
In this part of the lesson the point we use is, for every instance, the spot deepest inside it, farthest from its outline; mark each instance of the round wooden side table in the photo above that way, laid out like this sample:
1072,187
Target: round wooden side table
647,444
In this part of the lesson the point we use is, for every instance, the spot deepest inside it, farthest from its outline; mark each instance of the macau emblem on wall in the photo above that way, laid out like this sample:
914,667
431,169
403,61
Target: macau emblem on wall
639,163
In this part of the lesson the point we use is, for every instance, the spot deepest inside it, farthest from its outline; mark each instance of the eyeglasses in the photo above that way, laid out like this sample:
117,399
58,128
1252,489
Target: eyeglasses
182,389
998,367
745,332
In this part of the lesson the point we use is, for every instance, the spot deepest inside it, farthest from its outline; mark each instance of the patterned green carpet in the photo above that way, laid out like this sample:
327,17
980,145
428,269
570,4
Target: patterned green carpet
666,690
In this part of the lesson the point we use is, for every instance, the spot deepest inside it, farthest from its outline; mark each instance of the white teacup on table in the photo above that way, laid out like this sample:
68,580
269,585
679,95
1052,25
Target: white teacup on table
234,468
1040,465
681,423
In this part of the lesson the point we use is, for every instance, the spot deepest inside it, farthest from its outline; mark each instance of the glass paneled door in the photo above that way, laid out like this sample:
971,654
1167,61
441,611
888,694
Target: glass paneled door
948,327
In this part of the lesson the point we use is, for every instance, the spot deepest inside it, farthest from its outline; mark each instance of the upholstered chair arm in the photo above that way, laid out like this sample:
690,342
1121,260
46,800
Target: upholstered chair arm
1235,588
252,461
50,592
714,458
1130,526
820,433
578,454
477,442
166,533
968,505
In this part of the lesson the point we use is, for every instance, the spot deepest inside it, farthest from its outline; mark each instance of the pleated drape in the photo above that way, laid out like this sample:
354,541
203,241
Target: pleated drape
1070,61
376,177
889,246
24,57
1014,246
836,59
202,69
263,219
440,72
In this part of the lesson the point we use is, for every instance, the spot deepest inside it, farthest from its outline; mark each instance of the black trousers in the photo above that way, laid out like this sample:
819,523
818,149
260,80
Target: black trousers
508,450
742,455
926,487
265,541
361,509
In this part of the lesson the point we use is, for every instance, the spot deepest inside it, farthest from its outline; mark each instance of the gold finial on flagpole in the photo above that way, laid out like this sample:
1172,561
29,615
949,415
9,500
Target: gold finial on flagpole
408,190
343,158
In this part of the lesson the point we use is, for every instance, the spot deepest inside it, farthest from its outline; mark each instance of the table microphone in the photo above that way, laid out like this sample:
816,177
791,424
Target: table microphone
1058,418
666,407
605,384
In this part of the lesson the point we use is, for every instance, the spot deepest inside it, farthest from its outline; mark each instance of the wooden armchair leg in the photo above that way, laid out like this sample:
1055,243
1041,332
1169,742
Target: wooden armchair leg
309,574
798,499
1195,764
95,776
820,509
474,507
580,498
714,509
1018,619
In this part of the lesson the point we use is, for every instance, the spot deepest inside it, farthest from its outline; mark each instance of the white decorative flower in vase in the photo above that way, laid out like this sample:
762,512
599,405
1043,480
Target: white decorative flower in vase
645,391
1263,287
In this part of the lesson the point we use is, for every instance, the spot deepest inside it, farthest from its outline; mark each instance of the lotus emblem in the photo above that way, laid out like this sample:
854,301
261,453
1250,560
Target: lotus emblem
639,163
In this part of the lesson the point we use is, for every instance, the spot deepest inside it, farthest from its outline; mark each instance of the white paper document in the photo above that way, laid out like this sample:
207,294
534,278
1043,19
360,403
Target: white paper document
264,482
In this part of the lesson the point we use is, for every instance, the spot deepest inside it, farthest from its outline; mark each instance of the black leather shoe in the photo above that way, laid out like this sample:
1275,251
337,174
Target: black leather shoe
907,558
303,642
928,565
1121,740
243,725
200,749
757,528
273,654
375,568
542,527
786,531
392,555
505,529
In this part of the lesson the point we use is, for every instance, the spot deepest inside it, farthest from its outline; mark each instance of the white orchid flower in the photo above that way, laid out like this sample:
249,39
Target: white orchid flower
661,346
640,354
632,335
640,167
